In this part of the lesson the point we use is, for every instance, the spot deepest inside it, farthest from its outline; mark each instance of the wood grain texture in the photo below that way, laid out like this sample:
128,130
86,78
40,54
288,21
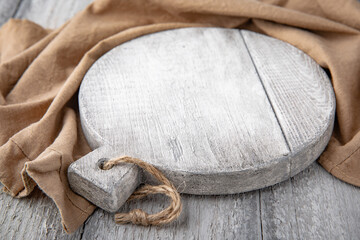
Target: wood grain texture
108,189
300,97
312,205
33,217
50,13
204,217
189,107
8,9
203,107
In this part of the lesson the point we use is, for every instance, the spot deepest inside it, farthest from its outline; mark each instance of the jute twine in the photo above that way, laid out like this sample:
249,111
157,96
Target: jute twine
138,216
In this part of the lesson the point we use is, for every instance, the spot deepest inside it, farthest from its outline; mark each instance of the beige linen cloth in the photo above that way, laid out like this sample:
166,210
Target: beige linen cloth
41,70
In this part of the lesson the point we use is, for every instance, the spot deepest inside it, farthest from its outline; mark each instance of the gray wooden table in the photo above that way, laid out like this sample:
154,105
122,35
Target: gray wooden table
311,205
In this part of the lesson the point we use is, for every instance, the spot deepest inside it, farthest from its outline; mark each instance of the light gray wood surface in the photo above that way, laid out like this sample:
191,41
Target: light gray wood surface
33,217
106,189
8,9
218,111
50,14
301,97
311,205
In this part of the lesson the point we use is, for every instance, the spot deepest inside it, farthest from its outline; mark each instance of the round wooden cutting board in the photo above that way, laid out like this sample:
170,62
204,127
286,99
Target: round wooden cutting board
218,111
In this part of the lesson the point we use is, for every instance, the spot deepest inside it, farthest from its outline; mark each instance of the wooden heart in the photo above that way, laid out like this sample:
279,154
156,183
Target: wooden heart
218,111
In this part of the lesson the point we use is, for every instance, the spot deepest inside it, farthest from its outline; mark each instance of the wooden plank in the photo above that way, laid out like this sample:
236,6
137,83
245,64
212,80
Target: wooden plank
302,98
204,217
33,217
50,13
197,109
309,95
312,205
8,9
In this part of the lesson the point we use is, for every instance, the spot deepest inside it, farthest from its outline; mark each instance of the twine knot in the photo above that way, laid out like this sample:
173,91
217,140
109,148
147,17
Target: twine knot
138,216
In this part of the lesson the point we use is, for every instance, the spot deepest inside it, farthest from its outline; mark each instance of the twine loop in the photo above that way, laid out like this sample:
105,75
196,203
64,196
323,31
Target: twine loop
138,216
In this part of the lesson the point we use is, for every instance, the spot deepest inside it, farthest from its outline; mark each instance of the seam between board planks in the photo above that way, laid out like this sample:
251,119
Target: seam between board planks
267,94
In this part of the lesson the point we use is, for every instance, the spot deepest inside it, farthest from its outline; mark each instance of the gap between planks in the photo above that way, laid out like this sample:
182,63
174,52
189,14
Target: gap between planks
267,95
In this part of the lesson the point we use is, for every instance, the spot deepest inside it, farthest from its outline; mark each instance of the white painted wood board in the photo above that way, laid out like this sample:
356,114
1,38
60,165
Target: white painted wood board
218,111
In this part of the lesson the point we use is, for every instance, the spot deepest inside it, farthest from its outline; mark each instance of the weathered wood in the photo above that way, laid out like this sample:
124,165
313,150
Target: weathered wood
312,205
201,109
33,217
204,217
108,189
300,98
50,13
8,9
